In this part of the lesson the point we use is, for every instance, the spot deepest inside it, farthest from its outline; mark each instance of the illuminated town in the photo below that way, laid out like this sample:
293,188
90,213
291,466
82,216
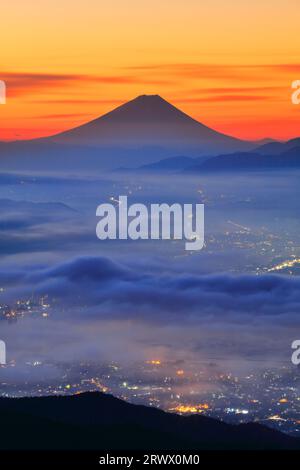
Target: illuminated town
34,307
269,394
262,397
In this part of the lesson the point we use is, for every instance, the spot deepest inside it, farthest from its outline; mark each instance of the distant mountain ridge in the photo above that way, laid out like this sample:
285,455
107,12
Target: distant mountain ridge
165,165
277,148
251,161
285,155
99,421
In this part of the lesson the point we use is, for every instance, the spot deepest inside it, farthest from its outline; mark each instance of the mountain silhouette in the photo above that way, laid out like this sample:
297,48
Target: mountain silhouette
247,161
277,148
270,156
172,164
98,421
149,120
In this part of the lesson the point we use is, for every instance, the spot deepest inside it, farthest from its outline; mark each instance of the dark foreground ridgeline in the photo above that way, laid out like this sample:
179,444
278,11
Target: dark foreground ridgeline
102,422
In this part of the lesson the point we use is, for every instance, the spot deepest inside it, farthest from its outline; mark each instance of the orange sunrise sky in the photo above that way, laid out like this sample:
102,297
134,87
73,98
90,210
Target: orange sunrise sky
227,63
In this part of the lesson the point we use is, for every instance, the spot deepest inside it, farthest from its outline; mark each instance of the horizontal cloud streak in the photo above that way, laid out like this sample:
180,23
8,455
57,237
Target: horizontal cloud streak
24,83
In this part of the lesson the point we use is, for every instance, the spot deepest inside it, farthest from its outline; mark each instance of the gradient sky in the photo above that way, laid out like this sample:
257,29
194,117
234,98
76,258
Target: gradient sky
228,63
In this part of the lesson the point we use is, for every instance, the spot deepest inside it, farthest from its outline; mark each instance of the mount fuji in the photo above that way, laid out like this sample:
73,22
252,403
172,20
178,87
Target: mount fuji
149,120
139,132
